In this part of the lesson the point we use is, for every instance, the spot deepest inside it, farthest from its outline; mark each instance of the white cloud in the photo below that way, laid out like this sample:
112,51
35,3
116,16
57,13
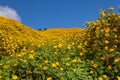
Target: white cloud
9,12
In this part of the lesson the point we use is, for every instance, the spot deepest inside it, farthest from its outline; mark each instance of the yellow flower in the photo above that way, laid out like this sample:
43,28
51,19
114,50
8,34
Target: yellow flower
100,78
102,30
94,65
118,77
45,68
19,55
106,47
0,77
109,67
103,13
60,45
106,41
107,30
105,76
32,51
50,78
31,56
115,29
103,21
54,46
92,62
97,28
14,77
91,71
46,61
111,50
115,36
54,65
57,63
67,64
107,35
74,61
68,58
61,69
69,47
55,53
116,60
81,53
102,58
82,69
80,47
24,61
15,64
85,43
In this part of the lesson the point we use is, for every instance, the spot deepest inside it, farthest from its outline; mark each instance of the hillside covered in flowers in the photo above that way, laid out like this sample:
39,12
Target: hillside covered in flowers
92,53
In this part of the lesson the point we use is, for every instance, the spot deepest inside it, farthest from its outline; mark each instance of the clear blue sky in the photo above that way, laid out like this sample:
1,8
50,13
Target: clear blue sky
58,13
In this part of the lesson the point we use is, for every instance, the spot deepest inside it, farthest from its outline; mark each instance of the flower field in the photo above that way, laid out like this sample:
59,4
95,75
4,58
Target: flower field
92,53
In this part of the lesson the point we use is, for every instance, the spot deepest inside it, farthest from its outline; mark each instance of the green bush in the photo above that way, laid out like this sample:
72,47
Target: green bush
92,55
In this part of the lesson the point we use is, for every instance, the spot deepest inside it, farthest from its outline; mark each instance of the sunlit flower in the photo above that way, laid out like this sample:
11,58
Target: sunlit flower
24,61
109,67
68,58
55,53
91,71
31,56
106,41
92,62
54,65
80,47
15,64
116,60
57,63
105,76
32,51
85,43
60,45
107,30
69,47
14,77
107,35
106,47
46,61
100,78
102,13
54,46
61,69
102,58
45,68
67,64
50,78
74,61
95,65
115,29
111,50
118,77
81,53
0,77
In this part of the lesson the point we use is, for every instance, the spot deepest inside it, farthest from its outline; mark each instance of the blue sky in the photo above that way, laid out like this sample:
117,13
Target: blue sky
58,13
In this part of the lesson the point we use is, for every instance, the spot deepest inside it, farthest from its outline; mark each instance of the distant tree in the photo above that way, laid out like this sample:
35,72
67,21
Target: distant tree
39,29
45,29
